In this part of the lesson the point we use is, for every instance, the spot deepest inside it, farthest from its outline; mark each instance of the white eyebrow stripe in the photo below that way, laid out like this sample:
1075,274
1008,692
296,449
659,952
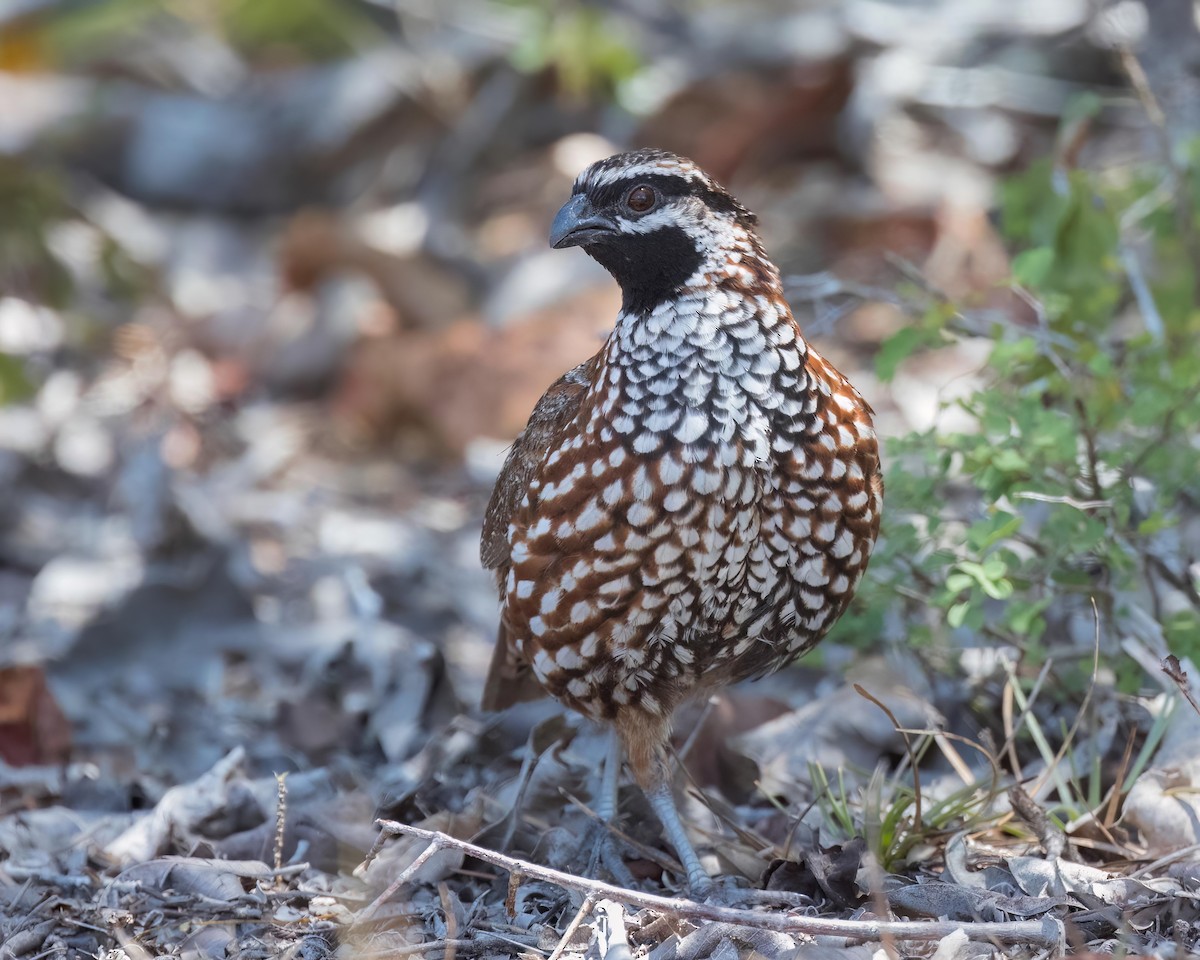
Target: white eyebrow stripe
602,178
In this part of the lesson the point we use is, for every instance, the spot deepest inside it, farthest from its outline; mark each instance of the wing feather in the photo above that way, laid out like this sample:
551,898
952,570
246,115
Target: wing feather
509,679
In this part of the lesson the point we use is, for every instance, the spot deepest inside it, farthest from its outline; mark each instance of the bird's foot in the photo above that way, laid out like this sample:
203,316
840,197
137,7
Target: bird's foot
605,854
702,887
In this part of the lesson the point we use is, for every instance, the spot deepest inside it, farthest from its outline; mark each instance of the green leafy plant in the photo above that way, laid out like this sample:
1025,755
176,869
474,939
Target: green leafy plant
584,45
268,31
36,207
1077,455
892,817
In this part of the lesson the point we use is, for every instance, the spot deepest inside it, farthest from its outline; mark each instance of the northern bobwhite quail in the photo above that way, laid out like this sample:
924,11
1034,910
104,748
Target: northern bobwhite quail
696,503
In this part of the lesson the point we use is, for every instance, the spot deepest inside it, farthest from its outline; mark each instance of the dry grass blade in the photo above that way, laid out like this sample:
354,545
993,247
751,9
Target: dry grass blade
912,760
1027,719
1118,787
589,902
1012,694
447,901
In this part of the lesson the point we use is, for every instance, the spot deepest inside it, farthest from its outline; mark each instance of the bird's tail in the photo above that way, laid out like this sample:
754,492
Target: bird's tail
509,678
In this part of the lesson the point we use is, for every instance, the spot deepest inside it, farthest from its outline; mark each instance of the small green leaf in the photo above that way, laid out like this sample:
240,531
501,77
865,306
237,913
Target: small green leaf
1030,268
896,349
1025,617
1000,589
1010,461
990,531
1153,524
957,614
958,582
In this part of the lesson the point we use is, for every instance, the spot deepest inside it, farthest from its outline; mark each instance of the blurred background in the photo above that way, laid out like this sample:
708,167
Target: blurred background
275,295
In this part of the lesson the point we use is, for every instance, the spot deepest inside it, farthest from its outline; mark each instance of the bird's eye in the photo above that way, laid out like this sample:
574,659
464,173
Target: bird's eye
640,199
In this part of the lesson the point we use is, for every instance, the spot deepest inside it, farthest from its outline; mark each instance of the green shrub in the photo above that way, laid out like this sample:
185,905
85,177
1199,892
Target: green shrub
1082,446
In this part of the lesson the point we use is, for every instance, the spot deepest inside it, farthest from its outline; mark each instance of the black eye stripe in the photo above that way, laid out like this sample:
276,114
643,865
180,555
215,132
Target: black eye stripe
666,187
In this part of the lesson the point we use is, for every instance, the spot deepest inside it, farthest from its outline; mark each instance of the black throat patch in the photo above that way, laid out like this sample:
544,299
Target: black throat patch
649,267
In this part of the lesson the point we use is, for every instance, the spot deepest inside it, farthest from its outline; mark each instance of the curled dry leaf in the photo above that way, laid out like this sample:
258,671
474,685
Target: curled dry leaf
824,873
215,879
1164,806
180,811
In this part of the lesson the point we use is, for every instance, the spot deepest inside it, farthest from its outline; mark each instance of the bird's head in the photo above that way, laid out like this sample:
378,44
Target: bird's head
659,224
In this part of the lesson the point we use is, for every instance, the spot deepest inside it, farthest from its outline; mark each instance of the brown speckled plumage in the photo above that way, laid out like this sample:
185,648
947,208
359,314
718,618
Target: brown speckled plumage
695,504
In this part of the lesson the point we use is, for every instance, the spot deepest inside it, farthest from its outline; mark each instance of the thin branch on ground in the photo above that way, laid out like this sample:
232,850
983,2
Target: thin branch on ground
1151,869
405,876
281,793
1051,837
1047,932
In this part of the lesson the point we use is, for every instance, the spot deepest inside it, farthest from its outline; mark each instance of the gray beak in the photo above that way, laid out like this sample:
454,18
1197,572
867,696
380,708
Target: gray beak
577,225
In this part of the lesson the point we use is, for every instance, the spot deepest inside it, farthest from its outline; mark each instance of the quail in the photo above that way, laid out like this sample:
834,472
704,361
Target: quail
695,504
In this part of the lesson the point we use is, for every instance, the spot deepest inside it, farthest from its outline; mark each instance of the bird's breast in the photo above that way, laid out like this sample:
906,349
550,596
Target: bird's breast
698,521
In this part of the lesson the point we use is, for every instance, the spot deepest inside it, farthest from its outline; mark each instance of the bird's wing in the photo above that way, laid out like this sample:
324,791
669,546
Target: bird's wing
509,680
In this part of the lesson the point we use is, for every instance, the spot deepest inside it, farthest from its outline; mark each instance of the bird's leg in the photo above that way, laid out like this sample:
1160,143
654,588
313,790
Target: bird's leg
605,808
663,802
645,738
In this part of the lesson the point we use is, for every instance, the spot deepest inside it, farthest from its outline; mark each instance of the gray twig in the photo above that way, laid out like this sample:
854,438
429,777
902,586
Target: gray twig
1047,932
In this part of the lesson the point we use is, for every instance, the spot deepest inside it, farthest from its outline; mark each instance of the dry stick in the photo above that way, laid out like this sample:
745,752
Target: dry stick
280,817
1174,669
1118,787
1051,837
1047,932
589,903
1165,861
528,765
405,876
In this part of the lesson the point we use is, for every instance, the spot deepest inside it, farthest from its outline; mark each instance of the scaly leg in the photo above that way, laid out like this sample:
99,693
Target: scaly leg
661,799
645,736
605,807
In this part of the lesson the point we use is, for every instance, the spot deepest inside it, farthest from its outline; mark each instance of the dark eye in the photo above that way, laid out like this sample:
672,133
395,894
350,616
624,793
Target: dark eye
640,199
